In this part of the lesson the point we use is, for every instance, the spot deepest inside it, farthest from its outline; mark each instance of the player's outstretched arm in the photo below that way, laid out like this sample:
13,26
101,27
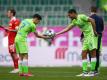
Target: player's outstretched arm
13,30
4,28
69,27
8,29
16,29
41,36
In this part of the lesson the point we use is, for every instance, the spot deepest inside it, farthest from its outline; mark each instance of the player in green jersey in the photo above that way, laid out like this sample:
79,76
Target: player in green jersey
27,26
87,26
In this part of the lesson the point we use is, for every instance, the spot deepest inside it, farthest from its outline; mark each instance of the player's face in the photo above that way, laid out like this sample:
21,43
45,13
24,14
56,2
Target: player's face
72,15
9,14
36,21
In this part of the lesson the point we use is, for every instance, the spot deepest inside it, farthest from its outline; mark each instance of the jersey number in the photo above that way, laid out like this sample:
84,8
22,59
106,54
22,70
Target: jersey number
23,24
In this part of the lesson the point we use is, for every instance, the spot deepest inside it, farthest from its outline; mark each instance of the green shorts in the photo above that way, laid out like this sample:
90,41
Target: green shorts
21,44
89,43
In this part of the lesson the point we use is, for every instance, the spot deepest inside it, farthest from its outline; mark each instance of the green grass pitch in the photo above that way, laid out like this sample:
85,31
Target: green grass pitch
52,73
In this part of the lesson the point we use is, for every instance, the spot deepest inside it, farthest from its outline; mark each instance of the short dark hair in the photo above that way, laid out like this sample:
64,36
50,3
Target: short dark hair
93,9
12,11
37,16
72,11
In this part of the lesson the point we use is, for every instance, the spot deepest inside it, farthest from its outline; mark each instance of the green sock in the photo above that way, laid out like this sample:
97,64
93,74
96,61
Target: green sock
20,67
25,66
93,64
25,69
84,65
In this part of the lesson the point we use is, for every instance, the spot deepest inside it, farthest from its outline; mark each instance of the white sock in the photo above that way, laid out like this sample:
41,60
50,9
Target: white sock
93,59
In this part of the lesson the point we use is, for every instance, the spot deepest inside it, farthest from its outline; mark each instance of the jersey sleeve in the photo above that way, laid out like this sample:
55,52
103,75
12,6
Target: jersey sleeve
72,24
34,28
84,17
11,23
17,22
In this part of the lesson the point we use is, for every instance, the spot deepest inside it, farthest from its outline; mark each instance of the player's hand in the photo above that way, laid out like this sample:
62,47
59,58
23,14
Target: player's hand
82,37
51,37
6,29
56,34
96,34
46,37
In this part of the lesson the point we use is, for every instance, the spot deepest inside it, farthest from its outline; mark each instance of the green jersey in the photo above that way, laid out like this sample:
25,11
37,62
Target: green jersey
27,26
82,22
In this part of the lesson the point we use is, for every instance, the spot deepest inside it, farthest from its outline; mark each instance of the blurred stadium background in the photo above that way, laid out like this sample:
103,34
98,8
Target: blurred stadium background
53,11
65,50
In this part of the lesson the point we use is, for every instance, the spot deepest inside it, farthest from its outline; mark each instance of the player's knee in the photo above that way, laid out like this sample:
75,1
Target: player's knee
25,56
84,54
93,53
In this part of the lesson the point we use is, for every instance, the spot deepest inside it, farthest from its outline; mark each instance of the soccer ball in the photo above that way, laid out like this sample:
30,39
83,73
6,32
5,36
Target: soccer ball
49,32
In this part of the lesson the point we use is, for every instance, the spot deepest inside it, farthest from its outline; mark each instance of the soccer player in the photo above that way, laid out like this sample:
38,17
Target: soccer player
12,31
27,26
99,29
87,26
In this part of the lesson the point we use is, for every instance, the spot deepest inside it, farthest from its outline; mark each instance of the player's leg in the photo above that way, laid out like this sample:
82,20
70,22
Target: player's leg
93,59
14,57
25,63
92,47
93,62
15,60
24,71
98,52
23,56
20,62
84,59
84,53
18,51
24,68
84,64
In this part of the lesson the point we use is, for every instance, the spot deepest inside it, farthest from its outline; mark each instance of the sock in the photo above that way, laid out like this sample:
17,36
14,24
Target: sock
15,59
25,66
20,66
93,64
15,63
84,65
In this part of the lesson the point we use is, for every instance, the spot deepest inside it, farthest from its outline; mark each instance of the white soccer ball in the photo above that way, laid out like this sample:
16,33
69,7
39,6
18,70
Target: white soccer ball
50,32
